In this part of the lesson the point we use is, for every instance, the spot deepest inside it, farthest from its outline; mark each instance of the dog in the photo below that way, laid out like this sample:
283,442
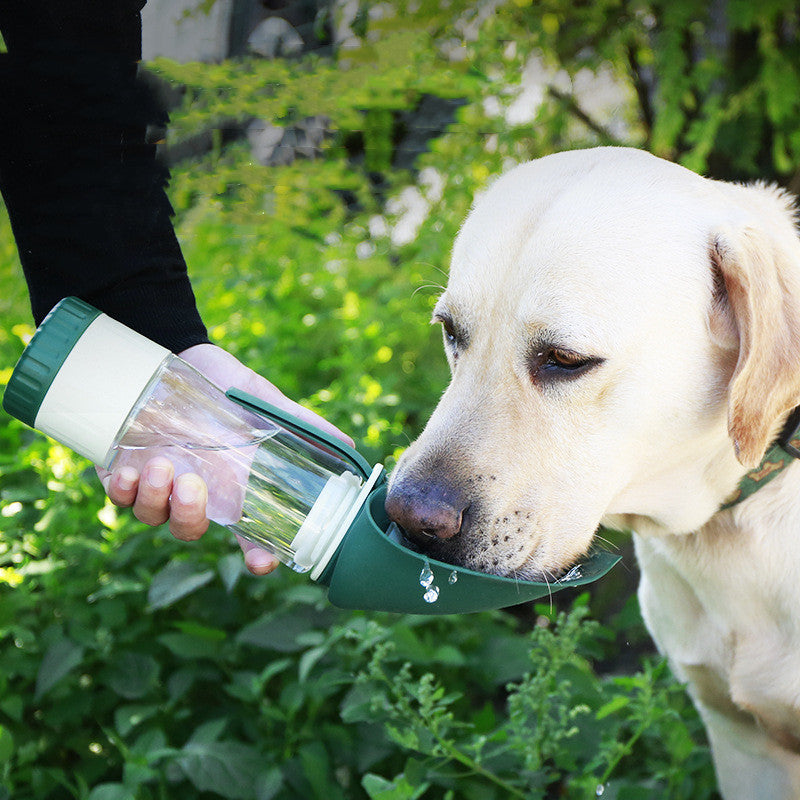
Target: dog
624,341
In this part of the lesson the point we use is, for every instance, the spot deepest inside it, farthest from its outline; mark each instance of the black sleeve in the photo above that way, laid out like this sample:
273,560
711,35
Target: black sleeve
84,191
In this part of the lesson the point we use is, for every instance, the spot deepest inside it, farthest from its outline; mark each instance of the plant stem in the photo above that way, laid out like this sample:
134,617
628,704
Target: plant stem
626,750
473,765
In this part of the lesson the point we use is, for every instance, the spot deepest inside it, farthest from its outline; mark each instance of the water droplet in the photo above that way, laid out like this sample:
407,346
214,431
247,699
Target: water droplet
394,533
432,595
600,790
426,576
453,577
573,574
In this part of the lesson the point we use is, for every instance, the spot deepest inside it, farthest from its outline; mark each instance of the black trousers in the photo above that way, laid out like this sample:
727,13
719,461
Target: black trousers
84,191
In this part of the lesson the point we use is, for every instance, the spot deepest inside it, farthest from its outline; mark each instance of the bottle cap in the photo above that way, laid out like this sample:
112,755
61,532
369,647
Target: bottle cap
43,357
80,376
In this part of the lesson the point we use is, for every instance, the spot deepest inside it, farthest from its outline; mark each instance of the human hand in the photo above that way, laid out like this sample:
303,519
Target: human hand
156,496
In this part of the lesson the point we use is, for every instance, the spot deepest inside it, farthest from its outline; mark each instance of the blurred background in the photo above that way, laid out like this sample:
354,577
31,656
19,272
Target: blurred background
323,155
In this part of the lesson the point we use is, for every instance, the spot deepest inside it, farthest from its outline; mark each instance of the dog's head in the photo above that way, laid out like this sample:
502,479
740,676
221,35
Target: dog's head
624,338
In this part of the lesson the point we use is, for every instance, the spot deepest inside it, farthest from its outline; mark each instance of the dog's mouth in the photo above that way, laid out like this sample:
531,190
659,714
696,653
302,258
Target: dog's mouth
486,554
451,522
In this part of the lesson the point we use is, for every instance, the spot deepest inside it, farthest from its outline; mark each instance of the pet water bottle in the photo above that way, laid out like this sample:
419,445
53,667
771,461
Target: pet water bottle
119,399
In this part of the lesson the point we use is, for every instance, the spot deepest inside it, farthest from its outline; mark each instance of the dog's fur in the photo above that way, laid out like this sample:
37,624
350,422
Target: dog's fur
685,294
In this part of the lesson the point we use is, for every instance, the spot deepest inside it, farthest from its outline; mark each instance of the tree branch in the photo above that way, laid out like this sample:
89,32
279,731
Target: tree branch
571,105
643,88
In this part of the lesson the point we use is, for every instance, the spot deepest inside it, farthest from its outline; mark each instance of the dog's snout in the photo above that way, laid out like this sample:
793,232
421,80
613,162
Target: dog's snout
425,511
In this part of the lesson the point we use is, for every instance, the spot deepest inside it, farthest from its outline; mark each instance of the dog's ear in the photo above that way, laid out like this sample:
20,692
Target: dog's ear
758,274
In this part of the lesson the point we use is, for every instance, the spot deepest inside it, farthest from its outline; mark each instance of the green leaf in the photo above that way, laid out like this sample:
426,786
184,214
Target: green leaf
175,581
379,788
126,718
150,744
116,587
111,791
357,703
231,568
60,658
208,732
135,773
309,659
189,647
198,631
13,706
6,745
279,630
268,784
612,706
228,769
317,771
133,675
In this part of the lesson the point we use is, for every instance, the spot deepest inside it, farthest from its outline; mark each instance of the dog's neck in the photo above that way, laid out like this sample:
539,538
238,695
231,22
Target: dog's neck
722,601
715,482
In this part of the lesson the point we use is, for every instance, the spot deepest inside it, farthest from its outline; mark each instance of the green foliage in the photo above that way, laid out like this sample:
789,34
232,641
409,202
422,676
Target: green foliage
563,732
716,85
134,666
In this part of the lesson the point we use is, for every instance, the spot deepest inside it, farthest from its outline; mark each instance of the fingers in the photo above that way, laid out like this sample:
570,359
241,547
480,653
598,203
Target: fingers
157,497
121,486
187,519
151,505
256,559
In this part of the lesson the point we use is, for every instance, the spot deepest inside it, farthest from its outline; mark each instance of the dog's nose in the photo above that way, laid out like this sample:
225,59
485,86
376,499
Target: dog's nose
425,512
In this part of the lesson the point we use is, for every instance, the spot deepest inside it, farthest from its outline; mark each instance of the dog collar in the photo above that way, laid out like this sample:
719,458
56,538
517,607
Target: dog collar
785,450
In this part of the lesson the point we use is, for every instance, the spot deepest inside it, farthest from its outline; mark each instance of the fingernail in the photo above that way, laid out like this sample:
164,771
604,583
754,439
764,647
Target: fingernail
126,478
188,490
260,562
158,476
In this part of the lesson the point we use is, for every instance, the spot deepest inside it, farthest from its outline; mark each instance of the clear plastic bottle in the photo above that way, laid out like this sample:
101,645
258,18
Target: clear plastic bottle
119,399
263,481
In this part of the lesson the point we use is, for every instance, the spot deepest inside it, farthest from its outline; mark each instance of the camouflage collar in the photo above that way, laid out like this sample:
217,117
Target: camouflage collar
785,450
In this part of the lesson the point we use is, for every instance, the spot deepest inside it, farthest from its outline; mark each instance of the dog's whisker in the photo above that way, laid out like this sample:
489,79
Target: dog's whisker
549,591
606,542
428,286
401,444
432,266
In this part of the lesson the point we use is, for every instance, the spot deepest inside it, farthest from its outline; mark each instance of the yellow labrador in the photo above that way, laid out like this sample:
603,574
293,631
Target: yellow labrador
624,338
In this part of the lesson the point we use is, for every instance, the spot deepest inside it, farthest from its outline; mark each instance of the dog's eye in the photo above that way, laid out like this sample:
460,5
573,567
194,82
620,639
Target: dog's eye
452,338
557,362
564,359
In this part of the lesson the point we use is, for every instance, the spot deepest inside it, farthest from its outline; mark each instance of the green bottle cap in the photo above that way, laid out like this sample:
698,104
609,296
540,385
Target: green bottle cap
80,376
43,357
